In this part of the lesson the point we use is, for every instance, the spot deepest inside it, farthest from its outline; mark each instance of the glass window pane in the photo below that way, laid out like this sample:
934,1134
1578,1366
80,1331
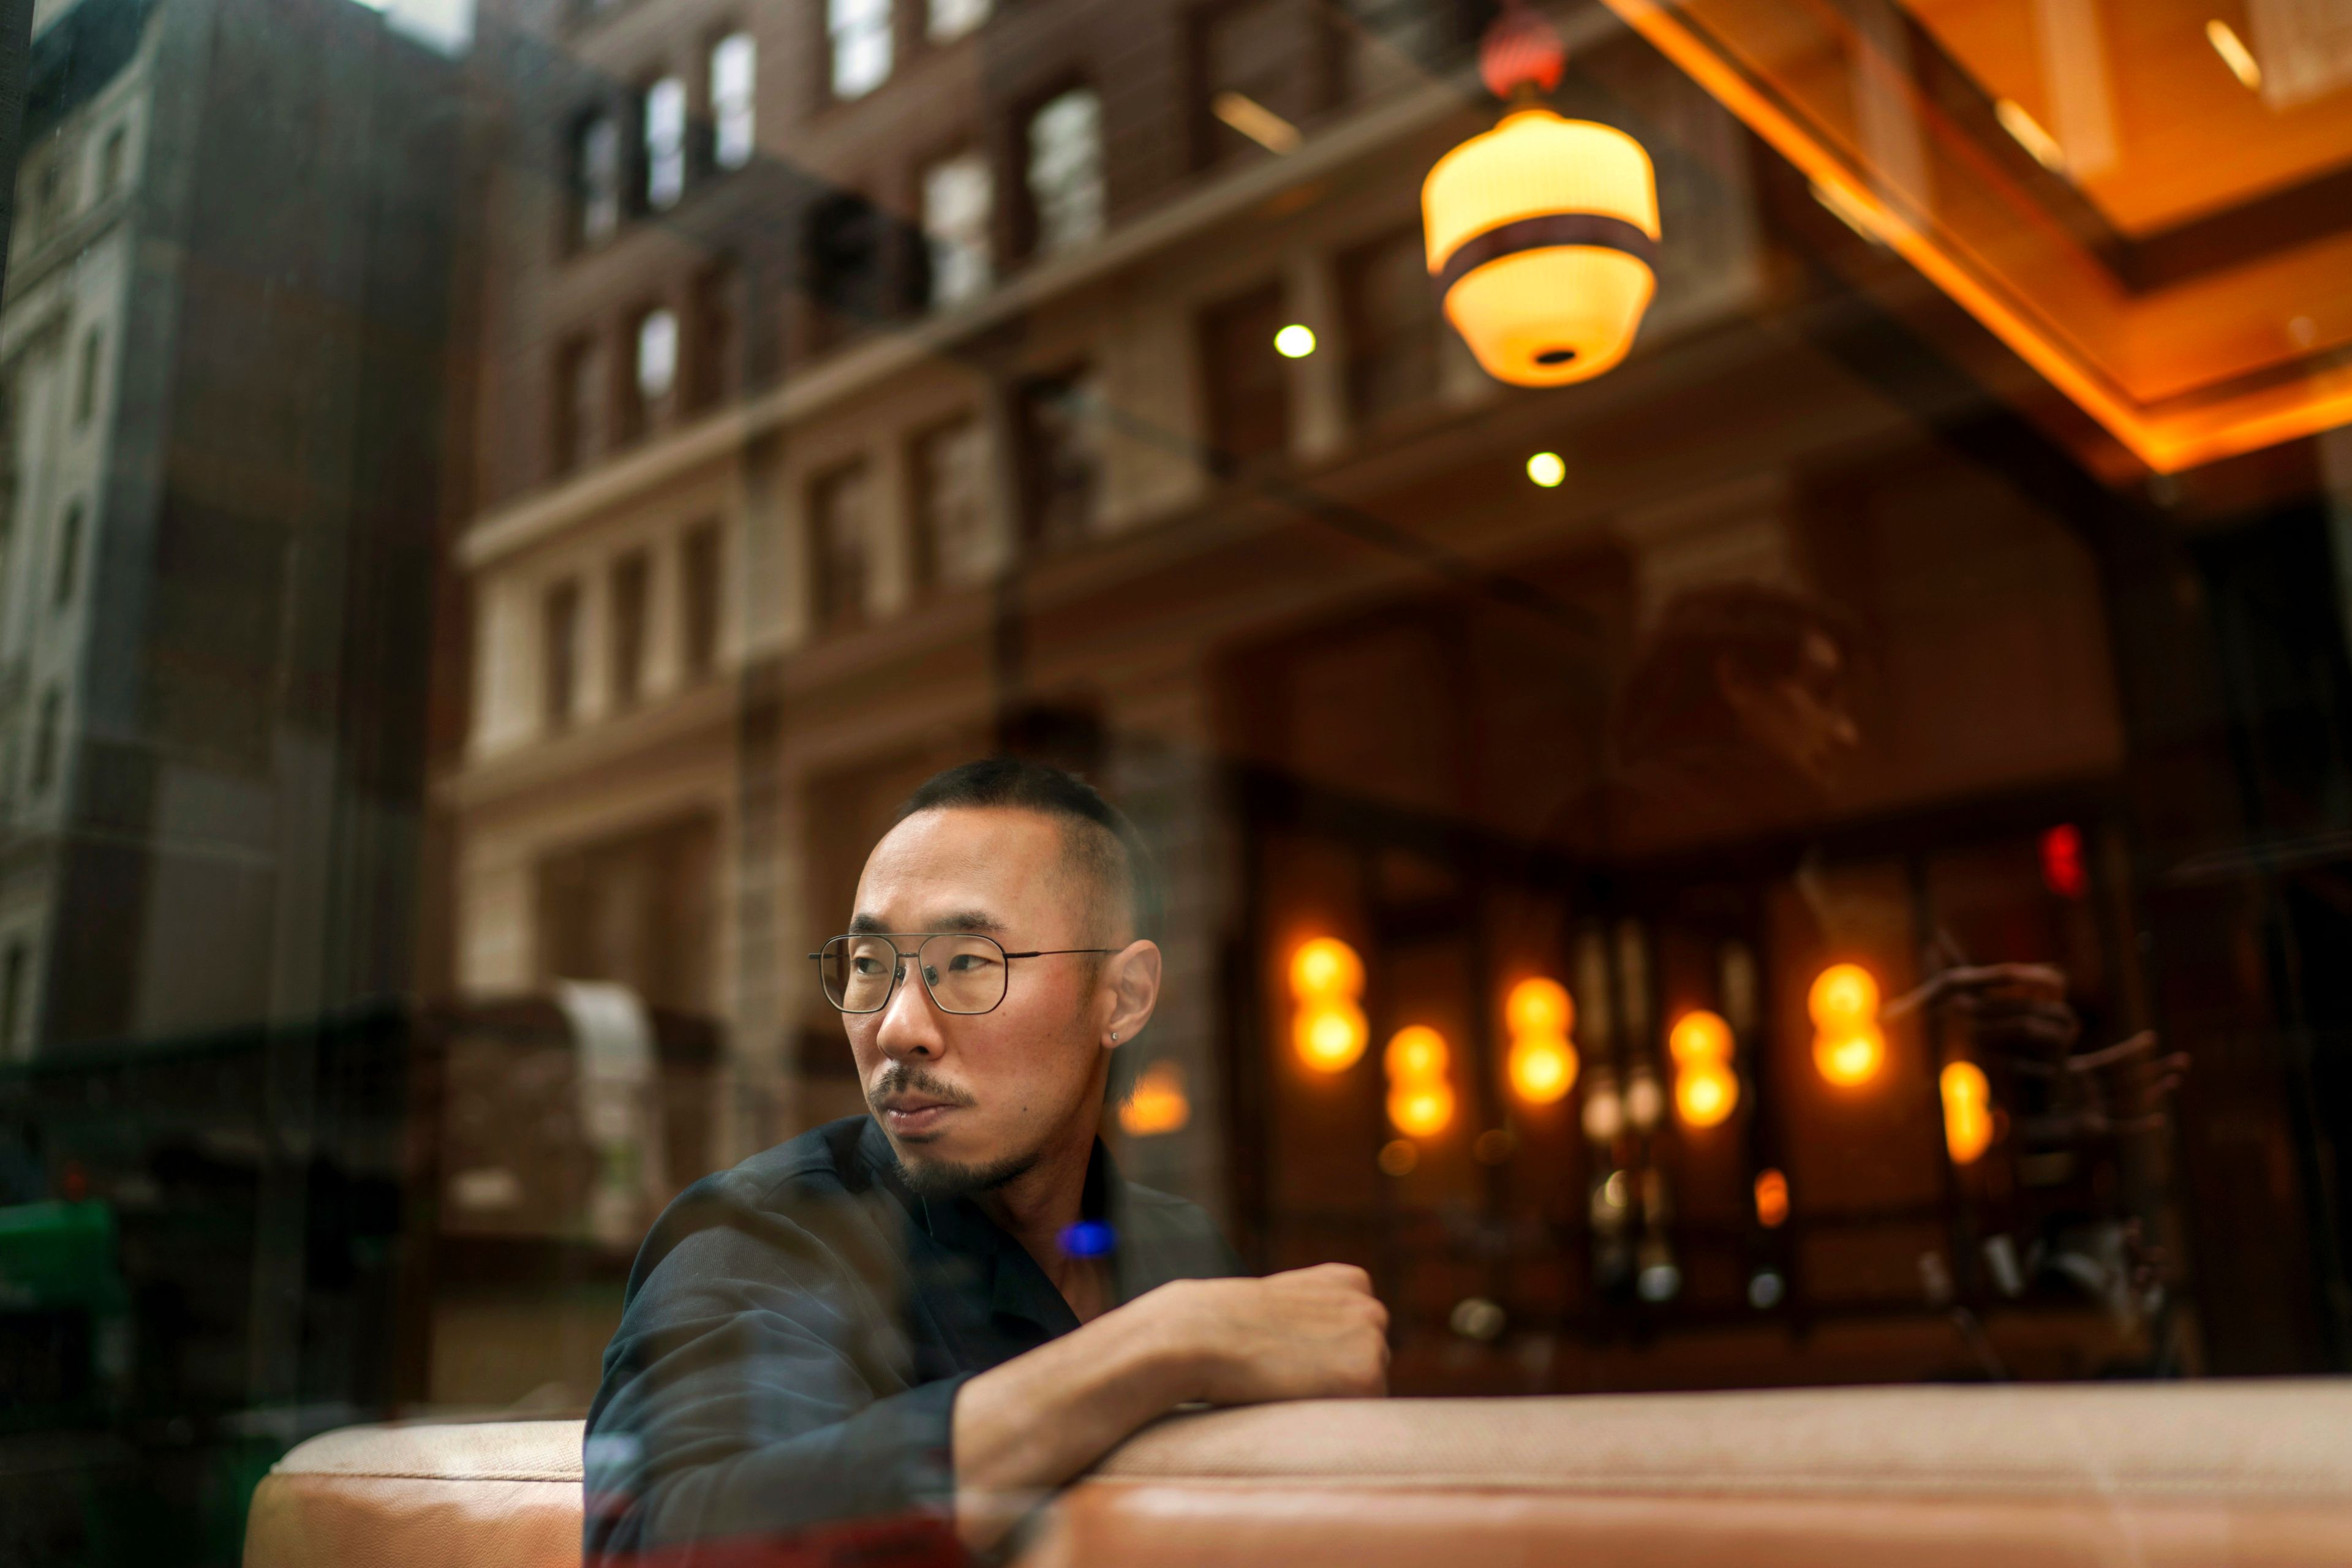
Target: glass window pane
956,214
861,35
1066,174
733,73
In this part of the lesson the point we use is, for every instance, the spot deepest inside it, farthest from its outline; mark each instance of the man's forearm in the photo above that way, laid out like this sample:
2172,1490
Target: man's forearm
1040,1418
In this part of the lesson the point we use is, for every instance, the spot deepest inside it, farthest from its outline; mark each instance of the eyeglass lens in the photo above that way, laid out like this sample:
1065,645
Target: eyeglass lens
964,974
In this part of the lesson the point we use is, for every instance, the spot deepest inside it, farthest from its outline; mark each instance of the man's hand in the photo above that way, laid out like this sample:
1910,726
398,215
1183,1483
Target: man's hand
1312,1333
1040,1418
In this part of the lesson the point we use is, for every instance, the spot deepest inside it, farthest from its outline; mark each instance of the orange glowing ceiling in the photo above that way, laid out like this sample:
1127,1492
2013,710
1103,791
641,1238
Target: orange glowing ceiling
2149,201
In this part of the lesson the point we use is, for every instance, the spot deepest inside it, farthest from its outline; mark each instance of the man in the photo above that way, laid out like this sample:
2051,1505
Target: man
945,1308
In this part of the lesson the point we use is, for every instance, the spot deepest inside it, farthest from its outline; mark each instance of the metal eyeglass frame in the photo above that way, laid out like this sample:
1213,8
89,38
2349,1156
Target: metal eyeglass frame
898,972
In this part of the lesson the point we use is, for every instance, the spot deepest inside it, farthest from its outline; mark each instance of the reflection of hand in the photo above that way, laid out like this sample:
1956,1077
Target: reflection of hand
2123,1088
2017,1008
1311,1334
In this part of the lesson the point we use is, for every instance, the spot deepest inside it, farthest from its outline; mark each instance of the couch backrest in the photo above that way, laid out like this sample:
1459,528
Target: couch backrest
2255,1474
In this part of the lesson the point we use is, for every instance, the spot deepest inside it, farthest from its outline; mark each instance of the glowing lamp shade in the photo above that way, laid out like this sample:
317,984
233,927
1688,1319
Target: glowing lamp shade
1331,1035
1843,999
1422,1109
1850,1060
1700,1037
1416,1053
1542,1067
1538,1006
1323,967
1542,234
1967,1111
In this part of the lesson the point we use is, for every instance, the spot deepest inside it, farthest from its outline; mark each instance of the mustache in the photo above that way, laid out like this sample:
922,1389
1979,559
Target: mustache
902,1077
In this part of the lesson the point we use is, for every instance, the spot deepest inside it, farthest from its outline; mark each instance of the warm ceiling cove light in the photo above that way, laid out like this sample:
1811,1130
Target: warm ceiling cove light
1547,468
2235,54
1327,1027
2026,132
1295,341
1542,233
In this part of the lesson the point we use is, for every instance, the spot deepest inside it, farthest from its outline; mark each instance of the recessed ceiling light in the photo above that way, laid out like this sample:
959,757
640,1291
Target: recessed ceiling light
1547,468
2030,135
1295,341
1256,121
2235,54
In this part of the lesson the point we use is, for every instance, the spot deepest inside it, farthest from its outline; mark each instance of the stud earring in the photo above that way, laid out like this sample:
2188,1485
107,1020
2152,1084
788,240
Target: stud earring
1114,1037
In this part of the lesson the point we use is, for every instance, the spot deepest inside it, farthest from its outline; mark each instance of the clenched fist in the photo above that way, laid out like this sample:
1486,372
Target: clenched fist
1311,1334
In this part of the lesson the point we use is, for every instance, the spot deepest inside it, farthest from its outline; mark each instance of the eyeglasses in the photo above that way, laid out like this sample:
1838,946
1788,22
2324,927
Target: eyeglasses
964,973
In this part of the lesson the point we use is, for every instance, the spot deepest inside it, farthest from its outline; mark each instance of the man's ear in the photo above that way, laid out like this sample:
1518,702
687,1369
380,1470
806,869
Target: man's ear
1132,975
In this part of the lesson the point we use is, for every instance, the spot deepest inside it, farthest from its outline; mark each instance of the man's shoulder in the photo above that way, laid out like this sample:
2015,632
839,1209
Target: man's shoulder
832,1161
1177,1235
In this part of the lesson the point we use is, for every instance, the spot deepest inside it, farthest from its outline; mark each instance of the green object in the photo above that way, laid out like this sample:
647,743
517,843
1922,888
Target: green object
59,1255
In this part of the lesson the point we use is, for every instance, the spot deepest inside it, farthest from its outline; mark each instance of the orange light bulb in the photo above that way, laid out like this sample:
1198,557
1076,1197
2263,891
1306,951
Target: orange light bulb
1844,998
1771,1199
1538,1006
1415,1053
1331,1034
1967,1111
1542,1067
1326,967
1422,1109
1852,1059
1699,1037
1705,1094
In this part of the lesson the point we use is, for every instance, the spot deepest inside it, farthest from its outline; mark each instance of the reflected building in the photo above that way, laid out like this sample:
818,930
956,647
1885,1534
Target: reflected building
223,347
865,386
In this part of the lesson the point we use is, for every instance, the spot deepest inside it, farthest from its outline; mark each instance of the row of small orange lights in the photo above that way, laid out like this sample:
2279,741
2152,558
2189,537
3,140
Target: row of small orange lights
1329,1032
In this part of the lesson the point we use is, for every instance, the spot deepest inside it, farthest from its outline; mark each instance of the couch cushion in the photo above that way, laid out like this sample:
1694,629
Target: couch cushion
447,1496
2247,1473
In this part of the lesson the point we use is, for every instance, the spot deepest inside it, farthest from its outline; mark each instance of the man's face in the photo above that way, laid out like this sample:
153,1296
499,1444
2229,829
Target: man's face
970,1099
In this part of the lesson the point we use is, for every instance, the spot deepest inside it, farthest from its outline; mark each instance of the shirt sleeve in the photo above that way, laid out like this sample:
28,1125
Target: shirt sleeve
758,1388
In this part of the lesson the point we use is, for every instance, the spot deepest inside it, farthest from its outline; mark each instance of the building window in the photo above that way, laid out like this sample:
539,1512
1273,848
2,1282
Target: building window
845,264
631,589
69,556
1246,382
957,196
86,387
663,117
950,19
561,654
596,178
653,371
1400,44
698,565
859,33
1061,457
1392,326
575,405
45,740
1066,170
1257,68
734,74
950,495
14,970
710,357
111,154
839,503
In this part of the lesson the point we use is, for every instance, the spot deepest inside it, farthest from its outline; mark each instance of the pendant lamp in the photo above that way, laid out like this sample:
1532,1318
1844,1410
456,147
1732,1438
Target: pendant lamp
1542,233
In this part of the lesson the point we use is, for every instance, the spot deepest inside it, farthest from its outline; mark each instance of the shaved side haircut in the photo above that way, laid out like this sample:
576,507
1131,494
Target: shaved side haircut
1101,850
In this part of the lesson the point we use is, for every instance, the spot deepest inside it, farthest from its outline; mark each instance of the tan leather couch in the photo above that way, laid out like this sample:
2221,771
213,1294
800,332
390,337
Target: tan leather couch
2148,1475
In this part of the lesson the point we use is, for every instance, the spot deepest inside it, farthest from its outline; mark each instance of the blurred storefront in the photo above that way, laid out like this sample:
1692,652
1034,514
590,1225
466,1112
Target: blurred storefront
1955,575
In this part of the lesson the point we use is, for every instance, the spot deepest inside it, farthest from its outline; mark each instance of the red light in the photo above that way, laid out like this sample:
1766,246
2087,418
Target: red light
2063,871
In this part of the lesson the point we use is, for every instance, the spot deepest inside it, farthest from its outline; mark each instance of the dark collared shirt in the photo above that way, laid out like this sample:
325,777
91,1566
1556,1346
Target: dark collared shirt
796,1329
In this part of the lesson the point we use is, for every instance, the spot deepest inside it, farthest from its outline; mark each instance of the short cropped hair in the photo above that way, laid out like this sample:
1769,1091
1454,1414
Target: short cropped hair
1101,847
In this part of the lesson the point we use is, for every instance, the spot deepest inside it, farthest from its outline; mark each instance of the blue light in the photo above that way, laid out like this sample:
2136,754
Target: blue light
1088,1238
